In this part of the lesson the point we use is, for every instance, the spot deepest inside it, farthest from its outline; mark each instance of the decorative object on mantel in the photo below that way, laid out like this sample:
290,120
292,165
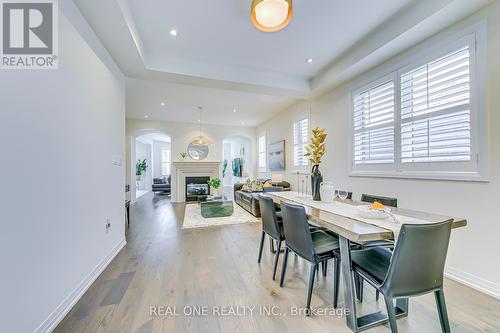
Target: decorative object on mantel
183,155
215,184
140,168
198,148
315,151
277,156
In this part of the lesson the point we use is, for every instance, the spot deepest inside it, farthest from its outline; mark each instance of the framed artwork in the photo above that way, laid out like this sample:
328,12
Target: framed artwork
276,156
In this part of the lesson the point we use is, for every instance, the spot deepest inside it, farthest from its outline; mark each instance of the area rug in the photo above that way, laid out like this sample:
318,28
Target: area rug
193,218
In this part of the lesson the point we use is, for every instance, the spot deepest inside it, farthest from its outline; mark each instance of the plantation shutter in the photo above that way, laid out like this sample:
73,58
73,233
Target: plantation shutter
300,135
373,121
435,110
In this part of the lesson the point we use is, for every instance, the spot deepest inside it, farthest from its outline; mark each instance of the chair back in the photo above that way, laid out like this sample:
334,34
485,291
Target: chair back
349,194
418,260
297,235
386,201
273,189
268,215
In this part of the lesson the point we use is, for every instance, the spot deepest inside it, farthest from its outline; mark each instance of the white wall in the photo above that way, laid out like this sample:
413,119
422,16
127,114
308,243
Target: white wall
182,134
60,130
474,249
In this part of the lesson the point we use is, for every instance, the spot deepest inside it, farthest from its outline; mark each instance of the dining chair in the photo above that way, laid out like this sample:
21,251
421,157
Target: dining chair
349,194
414,268
272,227
316,247
386,201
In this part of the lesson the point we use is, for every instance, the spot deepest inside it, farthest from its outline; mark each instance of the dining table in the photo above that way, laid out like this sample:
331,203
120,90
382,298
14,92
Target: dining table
342,218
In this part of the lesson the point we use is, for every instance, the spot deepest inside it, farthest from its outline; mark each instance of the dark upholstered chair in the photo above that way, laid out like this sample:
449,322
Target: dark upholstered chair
271,227
386,201
414,268
349,194
317,247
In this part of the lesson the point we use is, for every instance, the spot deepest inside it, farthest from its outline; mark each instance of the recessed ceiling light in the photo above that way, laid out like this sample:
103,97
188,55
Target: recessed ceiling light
199,120
234,110
162,104
173,32
146,116
309,60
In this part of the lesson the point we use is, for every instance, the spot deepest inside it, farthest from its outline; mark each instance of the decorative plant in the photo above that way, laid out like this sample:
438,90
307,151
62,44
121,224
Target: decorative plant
316,149
215,183
183,154
141,167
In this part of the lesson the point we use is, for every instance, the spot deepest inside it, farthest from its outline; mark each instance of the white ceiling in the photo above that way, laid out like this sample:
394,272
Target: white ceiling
144,98
220,61
220,33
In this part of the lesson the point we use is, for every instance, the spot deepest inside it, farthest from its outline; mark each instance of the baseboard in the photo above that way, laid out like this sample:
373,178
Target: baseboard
490,288
62,310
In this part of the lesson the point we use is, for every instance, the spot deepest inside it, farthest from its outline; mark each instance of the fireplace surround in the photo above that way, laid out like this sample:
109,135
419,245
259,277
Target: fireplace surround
184,169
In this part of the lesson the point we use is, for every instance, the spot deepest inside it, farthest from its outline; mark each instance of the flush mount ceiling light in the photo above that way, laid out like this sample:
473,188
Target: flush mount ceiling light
173,32
271,15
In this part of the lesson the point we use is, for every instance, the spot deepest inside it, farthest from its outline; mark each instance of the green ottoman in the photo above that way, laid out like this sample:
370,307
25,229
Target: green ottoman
216,208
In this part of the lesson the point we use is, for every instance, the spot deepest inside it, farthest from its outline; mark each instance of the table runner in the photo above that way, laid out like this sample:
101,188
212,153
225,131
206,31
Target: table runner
351,211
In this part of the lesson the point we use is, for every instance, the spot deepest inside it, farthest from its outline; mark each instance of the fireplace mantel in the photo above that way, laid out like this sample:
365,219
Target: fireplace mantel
181,170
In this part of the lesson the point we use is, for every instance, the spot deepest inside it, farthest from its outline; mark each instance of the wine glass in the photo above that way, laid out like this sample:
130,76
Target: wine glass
342,194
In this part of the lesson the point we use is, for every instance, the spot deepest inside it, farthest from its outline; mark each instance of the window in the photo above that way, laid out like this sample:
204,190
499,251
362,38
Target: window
421,120
374,124
165,162
435,110
262,153
300,138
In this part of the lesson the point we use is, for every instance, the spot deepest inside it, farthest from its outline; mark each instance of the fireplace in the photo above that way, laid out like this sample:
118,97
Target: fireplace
196,186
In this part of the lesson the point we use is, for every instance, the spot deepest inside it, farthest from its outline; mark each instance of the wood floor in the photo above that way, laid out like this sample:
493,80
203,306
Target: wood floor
212,269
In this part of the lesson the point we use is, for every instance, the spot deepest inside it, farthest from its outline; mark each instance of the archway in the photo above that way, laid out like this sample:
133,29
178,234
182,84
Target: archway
154,147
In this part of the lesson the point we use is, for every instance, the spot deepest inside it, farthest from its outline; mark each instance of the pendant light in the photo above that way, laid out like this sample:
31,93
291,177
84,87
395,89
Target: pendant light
200,137
271,15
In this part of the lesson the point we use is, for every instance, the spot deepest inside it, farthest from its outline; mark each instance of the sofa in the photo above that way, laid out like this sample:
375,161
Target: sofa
249,201
162,185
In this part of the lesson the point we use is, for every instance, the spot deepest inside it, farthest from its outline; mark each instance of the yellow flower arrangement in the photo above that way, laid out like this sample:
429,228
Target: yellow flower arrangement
316,149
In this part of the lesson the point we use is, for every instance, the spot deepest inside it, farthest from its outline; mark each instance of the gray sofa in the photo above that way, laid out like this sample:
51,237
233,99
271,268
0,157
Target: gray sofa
162,185
250,200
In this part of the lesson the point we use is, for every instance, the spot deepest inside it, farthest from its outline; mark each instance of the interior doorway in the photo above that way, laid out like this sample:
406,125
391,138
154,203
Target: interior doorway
151,163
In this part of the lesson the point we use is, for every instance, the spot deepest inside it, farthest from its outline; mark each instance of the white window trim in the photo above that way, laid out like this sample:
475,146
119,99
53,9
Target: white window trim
264,169
296,119
476,34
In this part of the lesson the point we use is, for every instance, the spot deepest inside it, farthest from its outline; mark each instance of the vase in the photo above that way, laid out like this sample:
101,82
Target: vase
138,178
316,180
